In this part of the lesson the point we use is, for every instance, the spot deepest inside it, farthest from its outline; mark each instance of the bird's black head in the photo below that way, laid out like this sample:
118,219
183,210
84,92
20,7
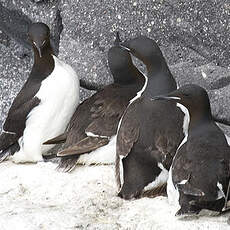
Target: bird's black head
145,49
193,97
39,36
120,63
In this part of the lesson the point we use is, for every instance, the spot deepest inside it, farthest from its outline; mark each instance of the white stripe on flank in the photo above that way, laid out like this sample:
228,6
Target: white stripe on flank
183,182
103,155
220,193
89,134
176,98
159,180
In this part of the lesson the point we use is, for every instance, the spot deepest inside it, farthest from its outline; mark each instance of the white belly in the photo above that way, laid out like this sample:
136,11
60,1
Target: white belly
59,95
103,155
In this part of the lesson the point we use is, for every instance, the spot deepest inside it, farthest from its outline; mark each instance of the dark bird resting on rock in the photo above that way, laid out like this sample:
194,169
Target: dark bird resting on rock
147,138
45,104
91,135
200,173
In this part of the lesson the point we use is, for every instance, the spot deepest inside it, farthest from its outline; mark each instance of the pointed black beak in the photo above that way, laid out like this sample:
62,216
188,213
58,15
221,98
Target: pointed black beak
38,44
119,43
123,46
168,98
117,40
38,49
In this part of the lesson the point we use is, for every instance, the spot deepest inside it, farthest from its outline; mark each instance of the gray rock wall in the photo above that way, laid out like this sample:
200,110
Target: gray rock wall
193,35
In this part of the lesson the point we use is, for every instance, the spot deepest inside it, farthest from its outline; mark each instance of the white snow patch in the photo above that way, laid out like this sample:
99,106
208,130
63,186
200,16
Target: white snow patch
103,155
35,196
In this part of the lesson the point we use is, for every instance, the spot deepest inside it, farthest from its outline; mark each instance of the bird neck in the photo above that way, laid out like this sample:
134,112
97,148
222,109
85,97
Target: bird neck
198,119
128,76
155,64
43,66
160,81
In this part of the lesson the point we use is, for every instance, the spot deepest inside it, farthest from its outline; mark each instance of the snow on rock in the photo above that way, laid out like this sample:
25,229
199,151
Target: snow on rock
36,196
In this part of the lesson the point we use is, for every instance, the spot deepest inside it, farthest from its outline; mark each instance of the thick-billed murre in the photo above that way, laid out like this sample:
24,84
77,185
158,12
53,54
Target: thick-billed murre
147,139
91,136
200,173
45,104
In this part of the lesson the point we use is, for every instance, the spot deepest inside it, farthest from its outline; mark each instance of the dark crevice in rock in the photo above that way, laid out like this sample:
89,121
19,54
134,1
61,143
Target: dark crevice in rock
90,85
4,39
44,1
193,44
15,24
200,31
224,121
220,83
55,39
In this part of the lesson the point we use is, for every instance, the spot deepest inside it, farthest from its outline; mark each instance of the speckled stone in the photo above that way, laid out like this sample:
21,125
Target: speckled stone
214,79
13,74
193,35
16,16
200,25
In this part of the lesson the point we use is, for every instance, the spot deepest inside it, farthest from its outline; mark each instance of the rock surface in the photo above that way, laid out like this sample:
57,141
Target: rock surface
192,34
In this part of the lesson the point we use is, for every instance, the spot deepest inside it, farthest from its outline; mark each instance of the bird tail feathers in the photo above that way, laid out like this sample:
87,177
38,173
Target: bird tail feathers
56,140
8,145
